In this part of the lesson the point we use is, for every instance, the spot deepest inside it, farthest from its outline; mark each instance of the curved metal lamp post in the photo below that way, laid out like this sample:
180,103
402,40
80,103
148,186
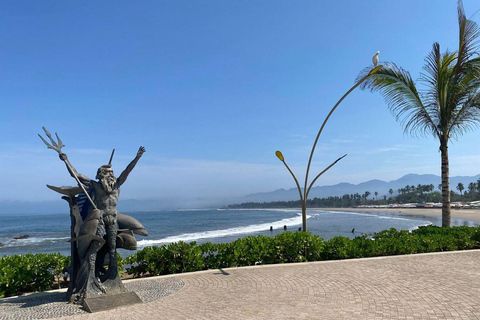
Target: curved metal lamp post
304,195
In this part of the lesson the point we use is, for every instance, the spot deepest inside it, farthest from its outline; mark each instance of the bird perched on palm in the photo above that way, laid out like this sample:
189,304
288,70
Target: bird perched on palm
375,59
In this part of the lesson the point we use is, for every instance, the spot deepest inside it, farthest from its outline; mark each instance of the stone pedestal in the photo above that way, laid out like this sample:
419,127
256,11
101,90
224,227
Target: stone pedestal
107,302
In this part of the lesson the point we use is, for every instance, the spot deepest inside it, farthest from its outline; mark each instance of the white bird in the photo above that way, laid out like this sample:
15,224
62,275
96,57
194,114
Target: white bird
375,58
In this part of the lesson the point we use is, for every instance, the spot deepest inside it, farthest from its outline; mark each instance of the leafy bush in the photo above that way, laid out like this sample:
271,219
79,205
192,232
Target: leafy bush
297,247
176,257
337,248
251,250
31,272
183,257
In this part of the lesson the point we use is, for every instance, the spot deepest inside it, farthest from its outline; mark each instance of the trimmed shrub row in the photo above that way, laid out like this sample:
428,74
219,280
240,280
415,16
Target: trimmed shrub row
32,272
39,272
296,247
35,272
185,257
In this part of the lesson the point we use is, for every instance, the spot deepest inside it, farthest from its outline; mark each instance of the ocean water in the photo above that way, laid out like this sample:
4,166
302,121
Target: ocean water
50,232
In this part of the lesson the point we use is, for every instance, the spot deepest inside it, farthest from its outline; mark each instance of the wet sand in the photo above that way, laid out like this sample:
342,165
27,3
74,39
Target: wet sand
466,214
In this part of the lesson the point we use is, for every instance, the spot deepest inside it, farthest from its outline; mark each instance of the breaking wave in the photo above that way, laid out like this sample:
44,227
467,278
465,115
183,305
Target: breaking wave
187,237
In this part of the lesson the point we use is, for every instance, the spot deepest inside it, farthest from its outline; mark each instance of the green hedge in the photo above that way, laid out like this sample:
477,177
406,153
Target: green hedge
185,257
38,272
35,272
297,247
31,272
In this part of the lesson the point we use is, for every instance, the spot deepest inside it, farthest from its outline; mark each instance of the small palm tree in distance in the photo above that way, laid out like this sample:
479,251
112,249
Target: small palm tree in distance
460,188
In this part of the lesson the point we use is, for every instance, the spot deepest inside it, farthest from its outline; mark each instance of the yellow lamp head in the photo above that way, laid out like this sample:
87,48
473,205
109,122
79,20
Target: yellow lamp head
279,155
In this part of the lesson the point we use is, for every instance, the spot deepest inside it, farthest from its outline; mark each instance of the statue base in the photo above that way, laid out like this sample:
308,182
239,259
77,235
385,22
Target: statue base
107,302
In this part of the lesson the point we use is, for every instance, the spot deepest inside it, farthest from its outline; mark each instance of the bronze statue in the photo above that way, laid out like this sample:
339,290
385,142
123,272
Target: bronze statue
98,229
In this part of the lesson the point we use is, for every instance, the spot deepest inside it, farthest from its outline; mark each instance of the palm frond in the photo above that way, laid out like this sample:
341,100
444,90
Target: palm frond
402,97
432,79
469,35
433,64
448,91
466,116
472,72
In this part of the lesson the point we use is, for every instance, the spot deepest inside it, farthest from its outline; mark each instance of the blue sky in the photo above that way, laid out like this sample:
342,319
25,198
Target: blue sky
212,89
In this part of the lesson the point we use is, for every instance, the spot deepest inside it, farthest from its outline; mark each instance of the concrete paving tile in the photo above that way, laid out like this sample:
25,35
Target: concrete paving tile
424,286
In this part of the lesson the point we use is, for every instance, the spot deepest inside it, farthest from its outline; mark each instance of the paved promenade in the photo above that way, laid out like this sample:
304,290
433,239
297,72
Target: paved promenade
426,286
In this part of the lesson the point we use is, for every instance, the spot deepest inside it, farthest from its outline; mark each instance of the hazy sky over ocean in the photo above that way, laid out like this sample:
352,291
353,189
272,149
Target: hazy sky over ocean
212,89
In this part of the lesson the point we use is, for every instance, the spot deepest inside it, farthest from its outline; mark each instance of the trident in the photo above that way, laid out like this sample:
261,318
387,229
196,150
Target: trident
57,146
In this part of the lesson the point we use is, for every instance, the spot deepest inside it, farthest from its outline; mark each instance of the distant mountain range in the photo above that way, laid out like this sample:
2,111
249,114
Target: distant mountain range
128,205
372,186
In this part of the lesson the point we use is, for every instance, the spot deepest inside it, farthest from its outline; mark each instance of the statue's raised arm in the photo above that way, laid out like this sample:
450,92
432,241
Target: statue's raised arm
82,178
123,176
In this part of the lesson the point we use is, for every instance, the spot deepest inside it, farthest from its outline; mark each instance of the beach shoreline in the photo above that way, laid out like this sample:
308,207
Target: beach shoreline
465,214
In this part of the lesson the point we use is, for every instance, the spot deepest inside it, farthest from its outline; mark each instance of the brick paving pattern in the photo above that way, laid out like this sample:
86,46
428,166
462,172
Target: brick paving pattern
424,286
48,305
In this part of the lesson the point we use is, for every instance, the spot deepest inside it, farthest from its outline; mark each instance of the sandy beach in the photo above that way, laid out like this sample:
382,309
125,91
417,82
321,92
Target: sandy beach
466,214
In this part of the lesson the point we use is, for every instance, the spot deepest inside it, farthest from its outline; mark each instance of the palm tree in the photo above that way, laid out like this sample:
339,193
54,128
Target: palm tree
472,187
366,194
460,188
391,192
447,106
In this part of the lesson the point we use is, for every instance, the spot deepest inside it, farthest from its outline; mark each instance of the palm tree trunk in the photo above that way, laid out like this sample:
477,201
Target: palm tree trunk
445,184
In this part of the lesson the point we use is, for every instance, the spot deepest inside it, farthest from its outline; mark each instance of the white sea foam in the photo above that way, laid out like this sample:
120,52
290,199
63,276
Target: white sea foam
395,218
371,215
427,223
32,241
225,232
270,209
351,213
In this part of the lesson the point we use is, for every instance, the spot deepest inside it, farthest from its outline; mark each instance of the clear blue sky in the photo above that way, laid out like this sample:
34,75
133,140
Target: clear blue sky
212,89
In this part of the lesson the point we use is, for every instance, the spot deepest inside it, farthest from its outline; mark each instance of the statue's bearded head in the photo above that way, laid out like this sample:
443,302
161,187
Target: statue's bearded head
106,177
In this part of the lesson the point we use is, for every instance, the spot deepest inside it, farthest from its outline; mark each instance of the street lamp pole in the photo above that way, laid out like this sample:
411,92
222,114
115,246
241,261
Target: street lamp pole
306,191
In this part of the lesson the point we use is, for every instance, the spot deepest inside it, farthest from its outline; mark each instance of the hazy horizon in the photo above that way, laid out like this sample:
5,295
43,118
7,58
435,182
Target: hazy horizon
10,207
